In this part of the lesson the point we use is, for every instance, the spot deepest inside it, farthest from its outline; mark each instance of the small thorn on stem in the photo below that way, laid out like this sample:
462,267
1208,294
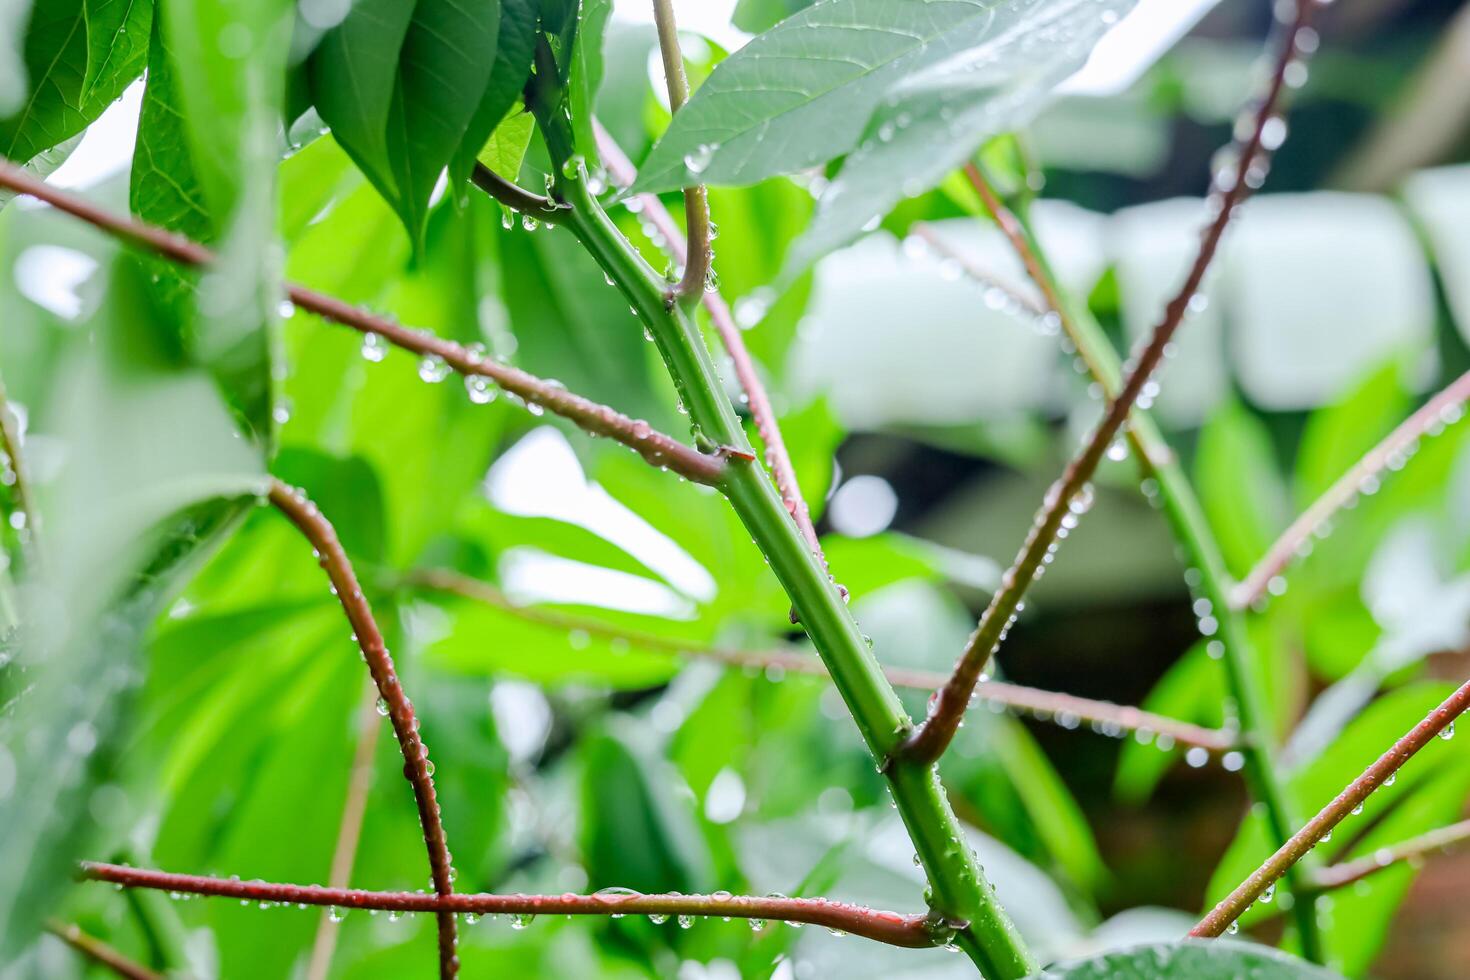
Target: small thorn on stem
730,452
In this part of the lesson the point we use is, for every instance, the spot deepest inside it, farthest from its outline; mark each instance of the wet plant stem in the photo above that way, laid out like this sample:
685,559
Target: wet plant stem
1174,494
959,894
691,284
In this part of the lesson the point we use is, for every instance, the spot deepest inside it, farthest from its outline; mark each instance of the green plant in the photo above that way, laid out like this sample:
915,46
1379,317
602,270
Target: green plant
413,94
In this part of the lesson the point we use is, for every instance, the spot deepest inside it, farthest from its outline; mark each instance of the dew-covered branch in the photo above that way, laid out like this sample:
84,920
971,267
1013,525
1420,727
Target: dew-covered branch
777,457
100,953
1064,710
892,928
1350,872
417,768
516,197
440,356
1393,453
1439,723
1069,496
349,832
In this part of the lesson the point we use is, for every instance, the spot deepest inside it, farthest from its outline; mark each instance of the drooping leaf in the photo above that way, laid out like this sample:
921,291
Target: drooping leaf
228,61
117,46
931,122
352,77
514,48
79,55
164,187
443,70
1194,959
178,181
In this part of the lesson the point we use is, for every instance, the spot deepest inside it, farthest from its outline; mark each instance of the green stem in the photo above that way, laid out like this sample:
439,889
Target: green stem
1181,507
959,892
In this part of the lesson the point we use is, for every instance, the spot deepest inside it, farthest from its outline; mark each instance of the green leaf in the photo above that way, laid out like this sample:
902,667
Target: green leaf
481,640
586,75
443,71
934,120
1240,488
1190,959
79,55
381,412
506,147
204,166
758,16
514,48
473,776
122,517
117,47
353,73
1191,690
228,60
803,92
163,187
1337,435
581,334
638,830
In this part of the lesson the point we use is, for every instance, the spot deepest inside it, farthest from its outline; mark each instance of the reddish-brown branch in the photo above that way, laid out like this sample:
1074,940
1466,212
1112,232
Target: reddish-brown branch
1350,872
926,233
655,447
349,831
912,931
1443,408
947,709
99,952
1062,709
416,767
1233,905
778,458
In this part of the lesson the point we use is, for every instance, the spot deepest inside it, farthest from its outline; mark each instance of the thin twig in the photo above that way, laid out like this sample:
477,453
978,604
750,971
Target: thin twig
516,197
349,832
417,769
99,952
930,739
1062,709
1158,464
1443,409
696,199
912,931
777,457
926,233
1234,905
655,447
1351,872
